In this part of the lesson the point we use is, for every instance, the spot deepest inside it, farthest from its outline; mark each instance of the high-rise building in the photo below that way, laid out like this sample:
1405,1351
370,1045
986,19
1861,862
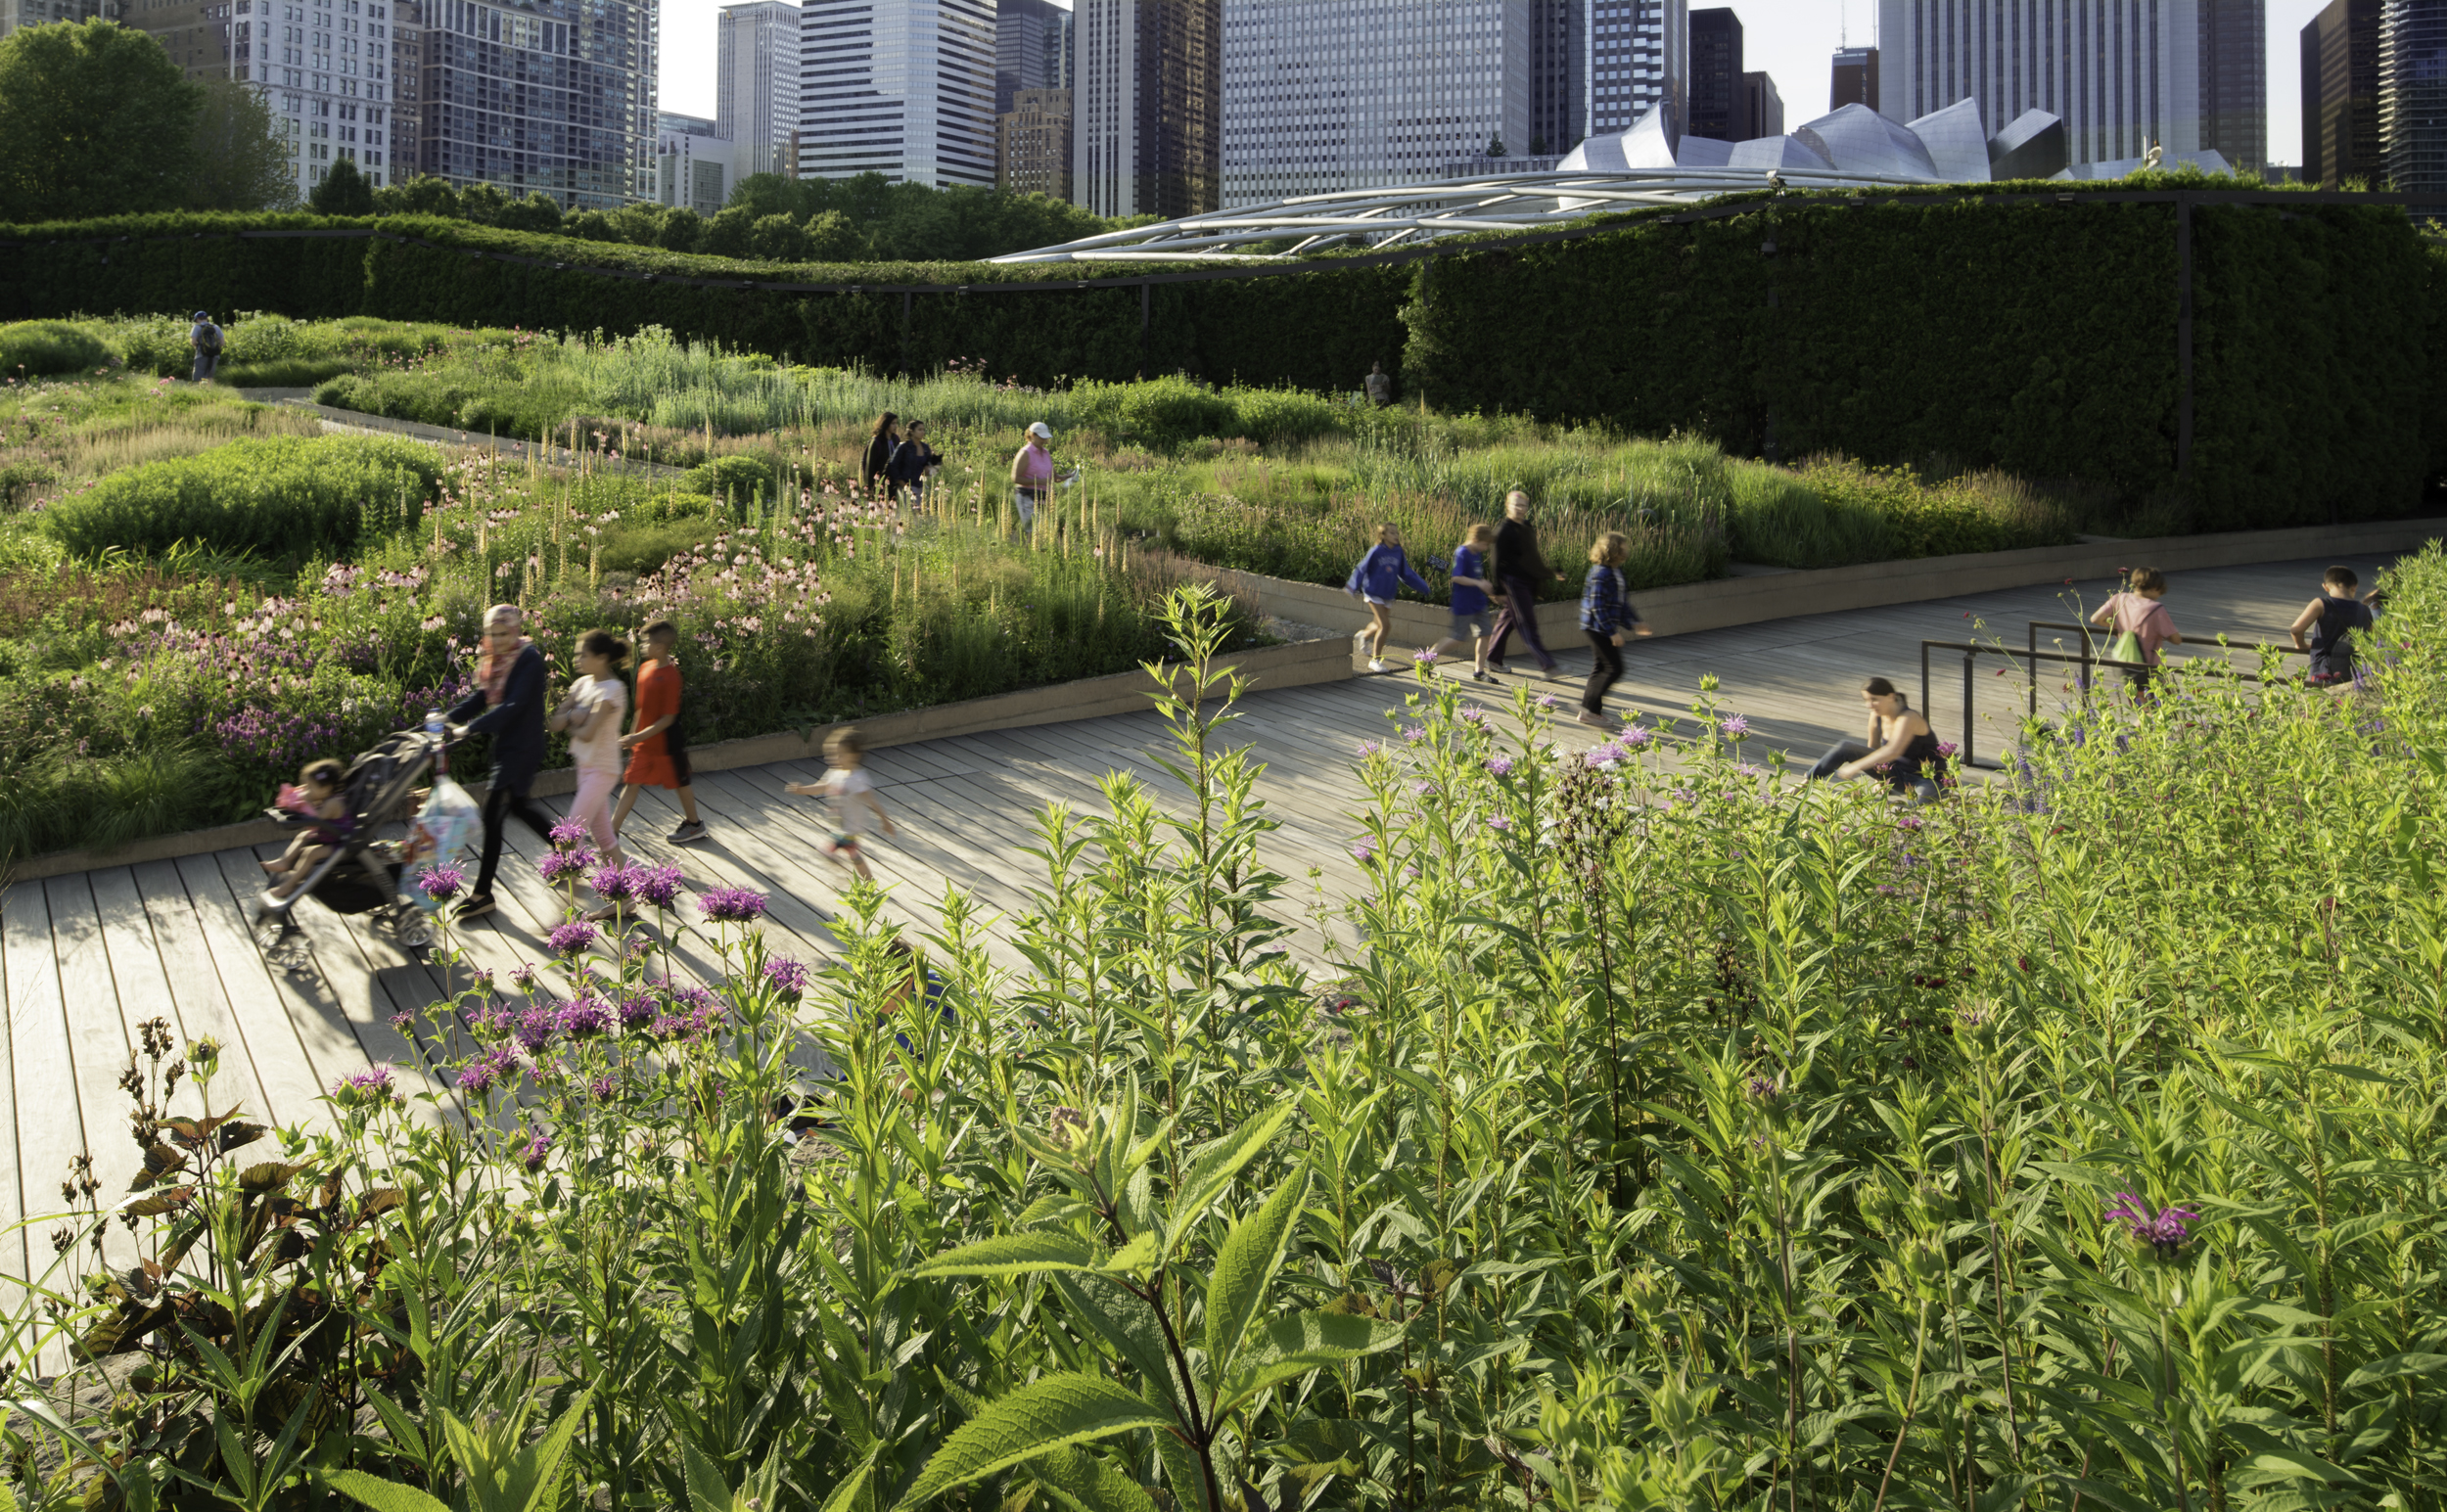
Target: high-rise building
1033,49
34,12
1762,108
1320,95
1032,144
2188,76
904,88
324,67
2413,94
407,86
556,96
2340,95
1637,52
1146,126
1854,78
756,86
1716,73
695,164
1558,96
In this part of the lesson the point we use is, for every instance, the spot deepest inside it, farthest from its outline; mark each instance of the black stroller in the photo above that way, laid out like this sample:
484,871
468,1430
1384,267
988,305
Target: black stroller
360,874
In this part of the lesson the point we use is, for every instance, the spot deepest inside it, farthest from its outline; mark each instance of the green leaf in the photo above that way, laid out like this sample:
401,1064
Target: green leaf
1037,1419
707,1489
1014,1255
1088,1483
2296,1464
372,1491
1129,1325
396,1422
1212,1168
1292,1347
2396,1366
846,1494
1245,1267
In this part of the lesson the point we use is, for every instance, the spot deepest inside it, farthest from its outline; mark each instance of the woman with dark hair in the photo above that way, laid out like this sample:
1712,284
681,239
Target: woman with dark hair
1900,749
508,705
879,450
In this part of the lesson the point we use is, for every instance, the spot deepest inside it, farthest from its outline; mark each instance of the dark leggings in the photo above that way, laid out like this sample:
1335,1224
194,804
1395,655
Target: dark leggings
501,801
1604,673
1520,613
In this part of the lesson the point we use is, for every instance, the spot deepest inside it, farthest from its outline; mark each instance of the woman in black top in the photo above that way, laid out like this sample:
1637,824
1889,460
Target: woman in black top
1519,571
1901,748
879,450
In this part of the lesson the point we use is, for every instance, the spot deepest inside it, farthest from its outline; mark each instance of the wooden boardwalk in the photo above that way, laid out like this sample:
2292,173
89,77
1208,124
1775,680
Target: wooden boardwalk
87,958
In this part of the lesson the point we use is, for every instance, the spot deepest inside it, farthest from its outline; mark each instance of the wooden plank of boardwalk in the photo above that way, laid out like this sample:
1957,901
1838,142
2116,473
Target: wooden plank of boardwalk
84,959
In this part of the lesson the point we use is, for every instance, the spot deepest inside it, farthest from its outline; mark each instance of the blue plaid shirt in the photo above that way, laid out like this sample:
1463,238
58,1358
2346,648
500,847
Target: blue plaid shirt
1603,608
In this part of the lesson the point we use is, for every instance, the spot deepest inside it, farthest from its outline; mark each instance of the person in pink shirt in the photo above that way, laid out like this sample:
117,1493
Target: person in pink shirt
1032,474
2136,611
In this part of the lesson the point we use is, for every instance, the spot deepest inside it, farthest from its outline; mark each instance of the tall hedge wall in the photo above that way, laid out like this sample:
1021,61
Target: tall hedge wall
2035,336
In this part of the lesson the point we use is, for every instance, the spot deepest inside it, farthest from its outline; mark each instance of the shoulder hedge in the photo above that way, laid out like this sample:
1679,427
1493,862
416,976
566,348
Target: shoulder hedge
2030,331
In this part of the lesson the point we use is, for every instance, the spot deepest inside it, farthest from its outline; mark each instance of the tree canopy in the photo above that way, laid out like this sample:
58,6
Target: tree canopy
343,191
97,120
240,164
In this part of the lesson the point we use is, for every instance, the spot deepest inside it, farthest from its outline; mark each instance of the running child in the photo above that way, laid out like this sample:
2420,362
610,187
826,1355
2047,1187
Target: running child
590,711
658,755
1380,576
850,798
1473,612
2326,627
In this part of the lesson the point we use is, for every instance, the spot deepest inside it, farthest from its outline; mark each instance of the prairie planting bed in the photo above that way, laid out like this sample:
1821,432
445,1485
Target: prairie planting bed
1681,1137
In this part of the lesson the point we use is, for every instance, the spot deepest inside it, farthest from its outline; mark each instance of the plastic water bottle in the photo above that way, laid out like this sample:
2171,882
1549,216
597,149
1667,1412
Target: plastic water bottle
437,730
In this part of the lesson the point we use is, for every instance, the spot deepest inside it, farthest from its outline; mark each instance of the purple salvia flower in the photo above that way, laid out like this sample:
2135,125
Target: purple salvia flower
1602,756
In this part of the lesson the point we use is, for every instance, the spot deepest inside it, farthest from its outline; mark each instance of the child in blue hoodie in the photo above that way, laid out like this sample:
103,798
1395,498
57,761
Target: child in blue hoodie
1380,576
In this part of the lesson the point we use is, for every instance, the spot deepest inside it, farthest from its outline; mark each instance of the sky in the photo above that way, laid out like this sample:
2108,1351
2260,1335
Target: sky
1794,40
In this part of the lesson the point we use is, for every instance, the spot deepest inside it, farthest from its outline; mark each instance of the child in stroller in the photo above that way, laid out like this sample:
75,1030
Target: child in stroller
316,795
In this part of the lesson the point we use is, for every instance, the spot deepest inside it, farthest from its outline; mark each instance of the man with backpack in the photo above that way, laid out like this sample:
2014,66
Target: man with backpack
206,339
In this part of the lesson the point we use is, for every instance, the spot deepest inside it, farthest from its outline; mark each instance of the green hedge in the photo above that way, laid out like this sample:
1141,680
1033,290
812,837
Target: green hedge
38,349
284,498
1904,328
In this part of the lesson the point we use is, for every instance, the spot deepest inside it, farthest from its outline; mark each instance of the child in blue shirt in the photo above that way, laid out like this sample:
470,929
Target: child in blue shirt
1472,609
1382,575
1607,617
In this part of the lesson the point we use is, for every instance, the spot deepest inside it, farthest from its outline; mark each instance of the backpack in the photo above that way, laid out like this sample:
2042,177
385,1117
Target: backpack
211,338
2127,645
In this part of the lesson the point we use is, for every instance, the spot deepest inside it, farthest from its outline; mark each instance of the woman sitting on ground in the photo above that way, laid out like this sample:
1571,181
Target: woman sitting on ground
1900,749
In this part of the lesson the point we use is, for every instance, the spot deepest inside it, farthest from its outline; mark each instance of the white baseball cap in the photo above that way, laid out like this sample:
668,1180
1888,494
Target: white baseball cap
1041,430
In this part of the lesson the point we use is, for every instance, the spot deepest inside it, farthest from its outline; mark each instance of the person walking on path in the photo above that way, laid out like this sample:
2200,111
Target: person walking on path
1032,474
1519,571
1607,617
657,752
206,339
590,713
1380,386
910,462
1471,609
1380,576
1899,747
2326,627
2137,613
508,705
878,456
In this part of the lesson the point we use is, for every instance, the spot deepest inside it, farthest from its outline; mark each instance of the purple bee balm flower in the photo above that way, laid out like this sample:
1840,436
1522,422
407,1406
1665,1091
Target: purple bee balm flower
1762,1087
495,1067
1633,737
1478,717
1422,787
655,885
360,1089
572,937
602,1088
789,976
1602,756
1411,873
1548,701
584,1019
1734,725
638,1010
442,884
2163,1230
731,905
614,884
1414,733
522,976
1500,766
1364,852
534,1029
1424,658
1502,823
1369,748
403,1022
481,977
567,833
561,865
536,1150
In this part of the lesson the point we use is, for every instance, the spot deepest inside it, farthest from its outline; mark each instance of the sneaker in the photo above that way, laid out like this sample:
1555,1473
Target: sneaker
689,830
1482,678
1380,666
475,906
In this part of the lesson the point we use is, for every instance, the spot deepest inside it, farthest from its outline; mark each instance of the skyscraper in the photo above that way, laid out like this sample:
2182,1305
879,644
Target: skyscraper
2413,94
1716,73
1855,79
1032,144
1558,96
1145,111
34,12
904,88
1637,52
695,165
1762,108
1320,95
324,67
2189,76
1031,49
756,86
553,95
2340,95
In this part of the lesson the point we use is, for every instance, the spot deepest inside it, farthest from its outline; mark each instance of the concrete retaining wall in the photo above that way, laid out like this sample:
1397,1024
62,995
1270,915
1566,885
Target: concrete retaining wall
1690,608
1268,666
